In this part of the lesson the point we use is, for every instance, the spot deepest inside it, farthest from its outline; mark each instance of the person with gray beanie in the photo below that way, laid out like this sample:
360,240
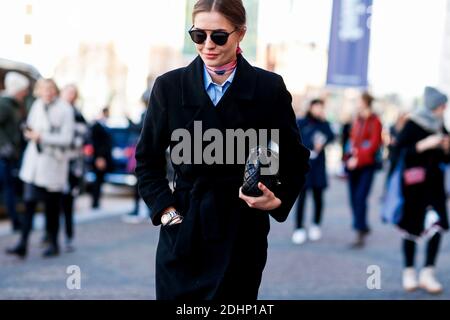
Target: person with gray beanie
424,146
16,89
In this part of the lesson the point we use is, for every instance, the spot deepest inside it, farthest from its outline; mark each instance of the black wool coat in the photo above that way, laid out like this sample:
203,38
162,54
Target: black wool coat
308,126
430,193
219,250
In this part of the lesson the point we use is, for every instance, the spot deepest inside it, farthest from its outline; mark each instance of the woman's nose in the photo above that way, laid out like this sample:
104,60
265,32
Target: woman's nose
209,44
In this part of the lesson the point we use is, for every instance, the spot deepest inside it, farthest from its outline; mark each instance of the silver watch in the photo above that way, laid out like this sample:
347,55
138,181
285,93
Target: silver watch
169,217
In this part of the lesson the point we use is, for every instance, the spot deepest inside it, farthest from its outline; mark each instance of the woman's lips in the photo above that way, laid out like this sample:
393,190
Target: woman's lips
211,55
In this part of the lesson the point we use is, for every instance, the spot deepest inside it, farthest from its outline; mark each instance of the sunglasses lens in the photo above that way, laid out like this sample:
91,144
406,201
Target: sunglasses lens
198,36
219,38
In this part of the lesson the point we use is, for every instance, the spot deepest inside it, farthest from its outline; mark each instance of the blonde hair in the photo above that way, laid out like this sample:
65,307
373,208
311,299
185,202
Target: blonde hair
40,82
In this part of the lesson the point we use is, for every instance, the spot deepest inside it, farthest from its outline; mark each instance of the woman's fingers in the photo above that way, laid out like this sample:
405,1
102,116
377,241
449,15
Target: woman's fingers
251,201
264,202
267,194
262,187
266,191
243,196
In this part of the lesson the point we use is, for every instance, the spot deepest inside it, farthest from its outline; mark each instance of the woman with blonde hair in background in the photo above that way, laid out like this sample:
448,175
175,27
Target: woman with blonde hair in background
45,167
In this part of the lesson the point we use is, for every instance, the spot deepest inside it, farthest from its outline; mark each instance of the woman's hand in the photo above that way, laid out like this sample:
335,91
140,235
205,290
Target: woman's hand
100,164
176,220
32,135
318,147
431,142
352,163
267,201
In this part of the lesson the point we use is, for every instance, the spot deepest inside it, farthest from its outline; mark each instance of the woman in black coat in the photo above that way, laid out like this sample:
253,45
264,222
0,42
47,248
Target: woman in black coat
102,158
316,133
424,144
213,242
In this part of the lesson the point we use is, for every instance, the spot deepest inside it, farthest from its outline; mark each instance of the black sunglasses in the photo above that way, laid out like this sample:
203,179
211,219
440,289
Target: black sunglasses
219,37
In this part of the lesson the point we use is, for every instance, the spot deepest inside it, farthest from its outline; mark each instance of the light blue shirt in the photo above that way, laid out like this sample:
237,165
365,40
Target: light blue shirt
216,91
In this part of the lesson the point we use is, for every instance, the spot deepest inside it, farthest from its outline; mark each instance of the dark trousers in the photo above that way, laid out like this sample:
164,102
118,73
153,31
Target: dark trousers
97,187
52,201
8,187
360,183
68,200
432,248
67,208
318,206
137,198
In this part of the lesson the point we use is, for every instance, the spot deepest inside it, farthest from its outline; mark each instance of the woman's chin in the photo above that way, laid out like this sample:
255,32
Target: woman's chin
212,60
215,60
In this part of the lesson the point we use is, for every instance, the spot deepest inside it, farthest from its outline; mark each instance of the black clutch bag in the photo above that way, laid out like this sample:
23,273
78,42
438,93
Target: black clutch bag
261,158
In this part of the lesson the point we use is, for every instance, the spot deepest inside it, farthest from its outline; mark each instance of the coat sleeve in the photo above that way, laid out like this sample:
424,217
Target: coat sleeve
329,133
407,139
150,156
293,156
5,113
445,156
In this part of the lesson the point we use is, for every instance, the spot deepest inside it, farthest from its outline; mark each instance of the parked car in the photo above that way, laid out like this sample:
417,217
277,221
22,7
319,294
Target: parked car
123,154
26,69
124,144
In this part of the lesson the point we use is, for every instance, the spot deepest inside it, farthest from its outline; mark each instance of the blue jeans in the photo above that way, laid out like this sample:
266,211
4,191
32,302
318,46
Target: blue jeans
360,183
8,188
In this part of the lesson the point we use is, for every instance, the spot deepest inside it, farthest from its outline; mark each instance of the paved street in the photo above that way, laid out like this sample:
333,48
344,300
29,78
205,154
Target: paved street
117,259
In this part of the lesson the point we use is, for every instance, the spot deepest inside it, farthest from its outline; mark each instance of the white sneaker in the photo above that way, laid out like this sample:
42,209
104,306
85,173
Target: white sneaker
299,236
410,279
428,281
70,245
314,233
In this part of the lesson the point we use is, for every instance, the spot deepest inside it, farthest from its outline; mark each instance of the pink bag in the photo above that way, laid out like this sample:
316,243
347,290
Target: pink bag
414,176
131,165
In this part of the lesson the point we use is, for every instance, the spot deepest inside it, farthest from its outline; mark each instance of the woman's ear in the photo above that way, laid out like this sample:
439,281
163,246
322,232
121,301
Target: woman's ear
242,33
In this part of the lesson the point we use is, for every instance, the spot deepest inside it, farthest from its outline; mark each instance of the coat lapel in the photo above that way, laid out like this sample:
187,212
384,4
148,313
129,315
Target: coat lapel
197,105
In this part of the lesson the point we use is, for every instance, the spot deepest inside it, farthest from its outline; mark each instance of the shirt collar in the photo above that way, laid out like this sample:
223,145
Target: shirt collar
208,80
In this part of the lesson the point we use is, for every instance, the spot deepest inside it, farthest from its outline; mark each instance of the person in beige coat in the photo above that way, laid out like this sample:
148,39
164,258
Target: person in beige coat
49,131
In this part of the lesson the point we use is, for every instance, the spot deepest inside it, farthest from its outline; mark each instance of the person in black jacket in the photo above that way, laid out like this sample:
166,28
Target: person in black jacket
424,145
134,217
316,133
76,165
102,158
213,239
16,89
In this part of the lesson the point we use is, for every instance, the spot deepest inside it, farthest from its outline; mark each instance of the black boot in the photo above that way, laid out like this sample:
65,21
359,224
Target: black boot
45,241
359,241
17,226
20,250
51,251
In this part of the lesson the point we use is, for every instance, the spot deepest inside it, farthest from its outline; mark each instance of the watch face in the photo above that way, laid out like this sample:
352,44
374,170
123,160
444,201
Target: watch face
165,218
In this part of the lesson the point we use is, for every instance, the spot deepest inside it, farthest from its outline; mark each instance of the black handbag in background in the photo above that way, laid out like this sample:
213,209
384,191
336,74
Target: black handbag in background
261,157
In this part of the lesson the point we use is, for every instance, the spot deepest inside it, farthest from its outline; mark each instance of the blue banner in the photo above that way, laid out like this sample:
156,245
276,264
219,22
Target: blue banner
348,54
